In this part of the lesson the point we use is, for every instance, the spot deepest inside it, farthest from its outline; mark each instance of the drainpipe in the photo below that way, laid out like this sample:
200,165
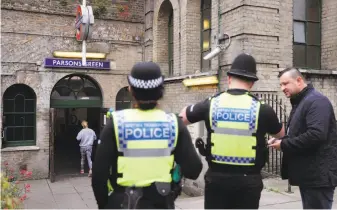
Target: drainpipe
180,58
219,66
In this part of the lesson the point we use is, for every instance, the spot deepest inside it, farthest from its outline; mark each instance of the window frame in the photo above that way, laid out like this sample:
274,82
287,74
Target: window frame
170,43
209,30
20,113
306,21
124,93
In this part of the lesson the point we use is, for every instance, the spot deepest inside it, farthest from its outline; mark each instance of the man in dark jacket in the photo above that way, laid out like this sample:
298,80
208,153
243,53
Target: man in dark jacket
310,146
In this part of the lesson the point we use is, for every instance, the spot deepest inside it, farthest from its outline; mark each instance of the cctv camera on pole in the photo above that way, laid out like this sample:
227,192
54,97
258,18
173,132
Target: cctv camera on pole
219,47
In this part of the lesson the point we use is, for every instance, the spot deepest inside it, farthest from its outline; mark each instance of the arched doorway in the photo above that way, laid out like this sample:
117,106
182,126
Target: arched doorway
76,91
123,99
74,98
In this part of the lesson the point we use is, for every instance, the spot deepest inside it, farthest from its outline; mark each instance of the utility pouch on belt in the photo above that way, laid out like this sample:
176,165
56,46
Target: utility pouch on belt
132,197
200,145
163,188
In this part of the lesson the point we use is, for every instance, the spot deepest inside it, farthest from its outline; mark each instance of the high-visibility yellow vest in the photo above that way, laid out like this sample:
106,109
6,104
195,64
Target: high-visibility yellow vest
233,121
146,139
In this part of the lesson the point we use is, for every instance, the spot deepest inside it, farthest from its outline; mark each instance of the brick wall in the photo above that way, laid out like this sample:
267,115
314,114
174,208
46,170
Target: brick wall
134,11
32,30
329,31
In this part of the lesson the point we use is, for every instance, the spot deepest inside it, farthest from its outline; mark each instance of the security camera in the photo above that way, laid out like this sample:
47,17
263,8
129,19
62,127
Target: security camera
213,53
219,47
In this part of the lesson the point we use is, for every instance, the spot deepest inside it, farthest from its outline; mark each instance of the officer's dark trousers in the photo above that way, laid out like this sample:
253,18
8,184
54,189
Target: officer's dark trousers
146,202
317,198
232,191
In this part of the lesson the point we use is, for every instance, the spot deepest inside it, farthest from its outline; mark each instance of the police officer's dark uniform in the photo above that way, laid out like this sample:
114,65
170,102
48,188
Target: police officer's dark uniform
236,150
140,146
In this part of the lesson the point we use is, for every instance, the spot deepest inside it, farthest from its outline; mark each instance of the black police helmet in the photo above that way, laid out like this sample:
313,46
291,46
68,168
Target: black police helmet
244,66
146,81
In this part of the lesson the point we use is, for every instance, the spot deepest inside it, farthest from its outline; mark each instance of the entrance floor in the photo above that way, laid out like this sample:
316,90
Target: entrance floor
67,150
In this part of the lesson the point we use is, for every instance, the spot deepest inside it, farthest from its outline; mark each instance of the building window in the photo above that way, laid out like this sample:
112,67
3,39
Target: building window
206,16
307,34
123,99
170,43
19,111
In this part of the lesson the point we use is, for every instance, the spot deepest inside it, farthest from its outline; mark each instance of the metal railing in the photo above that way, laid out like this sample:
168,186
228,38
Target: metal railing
274,162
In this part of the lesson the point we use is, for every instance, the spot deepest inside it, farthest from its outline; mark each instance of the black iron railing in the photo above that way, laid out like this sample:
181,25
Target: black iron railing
273,165
274,162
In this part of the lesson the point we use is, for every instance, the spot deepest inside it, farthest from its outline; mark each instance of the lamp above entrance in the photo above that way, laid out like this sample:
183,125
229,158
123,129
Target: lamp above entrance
60,54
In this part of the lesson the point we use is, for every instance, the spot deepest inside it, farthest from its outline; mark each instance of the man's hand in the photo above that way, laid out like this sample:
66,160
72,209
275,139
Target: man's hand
183,116
271,141
275,143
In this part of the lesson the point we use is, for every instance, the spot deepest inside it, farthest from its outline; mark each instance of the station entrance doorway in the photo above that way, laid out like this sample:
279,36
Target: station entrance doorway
74,98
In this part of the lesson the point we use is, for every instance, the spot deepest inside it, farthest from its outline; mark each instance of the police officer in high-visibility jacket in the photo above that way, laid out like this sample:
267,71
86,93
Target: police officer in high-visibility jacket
236,148
140,146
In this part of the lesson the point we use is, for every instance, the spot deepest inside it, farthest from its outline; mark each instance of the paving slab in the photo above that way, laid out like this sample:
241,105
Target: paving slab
40,201
38,186
79,181
81,189
271,197
63,190
70,201
190,203
287,205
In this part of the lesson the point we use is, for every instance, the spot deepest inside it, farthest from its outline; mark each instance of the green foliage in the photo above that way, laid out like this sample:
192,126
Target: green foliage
13,193
99,7
63,2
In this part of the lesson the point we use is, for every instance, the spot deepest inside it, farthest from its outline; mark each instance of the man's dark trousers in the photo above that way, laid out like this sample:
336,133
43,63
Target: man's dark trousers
317,198
233,191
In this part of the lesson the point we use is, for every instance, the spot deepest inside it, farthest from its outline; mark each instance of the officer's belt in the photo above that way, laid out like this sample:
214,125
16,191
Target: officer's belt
165,152
233,131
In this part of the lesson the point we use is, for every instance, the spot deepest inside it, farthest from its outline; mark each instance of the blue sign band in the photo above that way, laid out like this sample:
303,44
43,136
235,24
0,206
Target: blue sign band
75,63
146,131
233,115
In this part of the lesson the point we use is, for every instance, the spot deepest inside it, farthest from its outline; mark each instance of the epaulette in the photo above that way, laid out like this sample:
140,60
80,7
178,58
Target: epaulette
256,97
216,95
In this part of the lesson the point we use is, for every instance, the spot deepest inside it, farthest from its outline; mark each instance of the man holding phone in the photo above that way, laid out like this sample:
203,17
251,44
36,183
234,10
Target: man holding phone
310,146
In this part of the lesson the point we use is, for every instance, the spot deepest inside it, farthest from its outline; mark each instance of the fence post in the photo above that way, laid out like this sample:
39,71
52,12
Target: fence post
289,188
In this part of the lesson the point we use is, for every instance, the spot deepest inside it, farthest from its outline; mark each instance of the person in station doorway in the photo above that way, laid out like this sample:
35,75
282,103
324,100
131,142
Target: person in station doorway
140,145
236,149
86,137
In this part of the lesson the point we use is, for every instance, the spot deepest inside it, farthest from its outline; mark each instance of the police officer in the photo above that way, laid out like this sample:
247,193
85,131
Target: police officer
236,150
140,146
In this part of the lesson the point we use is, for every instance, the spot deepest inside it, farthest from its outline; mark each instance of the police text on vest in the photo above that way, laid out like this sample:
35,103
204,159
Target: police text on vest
147,130
233,115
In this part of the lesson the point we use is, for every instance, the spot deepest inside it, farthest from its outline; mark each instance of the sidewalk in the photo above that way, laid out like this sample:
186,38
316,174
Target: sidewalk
76,193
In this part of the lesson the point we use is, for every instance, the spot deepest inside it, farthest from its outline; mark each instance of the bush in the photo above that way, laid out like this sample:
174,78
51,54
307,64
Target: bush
13,193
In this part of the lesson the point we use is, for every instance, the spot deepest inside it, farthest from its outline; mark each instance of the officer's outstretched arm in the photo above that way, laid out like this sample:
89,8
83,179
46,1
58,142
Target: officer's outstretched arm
186,155
279,134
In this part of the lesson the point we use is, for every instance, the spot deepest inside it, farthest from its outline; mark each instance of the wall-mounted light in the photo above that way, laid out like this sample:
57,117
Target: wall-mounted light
60,54
210,80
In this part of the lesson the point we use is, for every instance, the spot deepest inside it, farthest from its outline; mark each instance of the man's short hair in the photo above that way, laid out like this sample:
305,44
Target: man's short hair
294,73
